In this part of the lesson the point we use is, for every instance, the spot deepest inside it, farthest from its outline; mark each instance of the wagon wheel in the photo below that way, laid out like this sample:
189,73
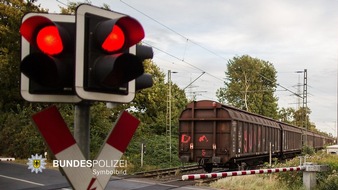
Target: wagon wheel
208,167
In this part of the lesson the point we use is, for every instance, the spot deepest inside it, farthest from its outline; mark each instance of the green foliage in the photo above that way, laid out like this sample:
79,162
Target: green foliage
250,86
157,152
308,150
150,106
10,20
101,122
292,180
20,138
325,180
298,118
250,182
287,180
331,183
286,115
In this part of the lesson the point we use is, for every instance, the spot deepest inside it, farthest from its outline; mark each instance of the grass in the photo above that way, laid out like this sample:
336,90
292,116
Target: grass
286,180
249,182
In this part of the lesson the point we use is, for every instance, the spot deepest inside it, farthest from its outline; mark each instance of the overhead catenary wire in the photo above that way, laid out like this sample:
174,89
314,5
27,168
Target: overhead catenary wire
185,38
294,93
174,56
197,44
194,81
174,31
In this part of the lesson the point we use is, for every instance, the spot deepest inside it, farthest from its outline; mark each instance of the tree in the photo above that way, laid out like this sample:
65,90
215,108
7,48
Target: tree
10,21
150,107
302,119
286,115
250,85
298,118
19,137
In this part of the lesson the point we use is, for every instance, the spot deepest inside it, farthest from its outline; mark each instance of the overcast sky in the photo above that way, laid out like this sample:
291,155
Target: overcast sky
195,36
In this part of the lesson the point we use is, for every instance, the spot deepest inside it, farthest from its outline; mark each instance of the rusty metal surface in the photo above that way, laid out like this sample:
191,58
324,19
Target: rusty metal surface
210,132
209,129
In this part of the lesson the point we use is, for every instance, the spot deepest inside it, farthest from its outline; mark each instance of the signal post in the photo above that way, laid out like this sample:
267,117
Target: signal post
93,55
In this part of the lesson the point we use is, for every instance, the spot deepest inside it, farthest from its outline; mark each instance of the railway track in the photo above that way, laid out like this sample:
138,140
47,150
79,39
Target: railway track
173,176
168,171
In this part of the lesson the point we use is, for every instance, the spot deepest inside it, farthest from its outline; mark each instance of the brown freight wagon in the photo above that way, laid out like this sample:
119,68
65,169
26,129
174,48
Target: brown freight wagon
213,134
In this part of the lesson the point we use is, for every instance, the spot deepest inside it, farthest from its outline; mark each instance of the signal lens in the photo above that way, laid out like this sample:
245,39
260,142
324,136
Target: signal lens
114,41
49,40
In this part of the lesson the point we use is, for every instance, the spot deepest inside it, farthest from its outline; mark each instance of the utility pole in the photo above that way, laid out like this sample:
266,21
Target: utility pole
298,92
305,105
168,117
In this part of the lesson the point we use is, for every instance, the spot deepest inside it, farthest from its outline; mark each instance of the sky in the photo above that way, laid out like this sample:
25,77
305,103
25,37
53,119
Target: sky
195,39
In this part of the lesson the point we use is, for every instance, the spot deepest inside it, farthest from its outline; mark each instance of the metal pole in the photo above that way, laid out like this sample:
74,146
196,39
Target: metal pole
305,106
142,154
270,154
169,101
168,116
81,127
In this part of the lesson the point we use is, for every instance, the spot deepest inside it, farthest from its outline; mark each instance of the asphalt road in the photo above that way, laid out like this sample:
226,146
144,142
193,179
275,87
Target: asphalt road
18,176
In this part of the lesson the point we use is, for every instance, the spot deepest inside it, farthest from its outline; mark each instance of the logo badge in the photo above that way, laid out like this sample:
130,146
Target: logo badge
36,163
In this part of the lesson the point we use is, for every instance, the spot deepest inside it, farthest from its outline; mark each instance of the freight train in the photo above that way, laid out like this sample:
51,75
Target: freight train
213,134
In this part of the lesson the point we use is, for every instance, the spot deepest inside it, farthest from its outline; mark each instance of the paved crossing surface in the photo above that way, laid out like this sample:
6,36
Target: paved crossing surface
17,176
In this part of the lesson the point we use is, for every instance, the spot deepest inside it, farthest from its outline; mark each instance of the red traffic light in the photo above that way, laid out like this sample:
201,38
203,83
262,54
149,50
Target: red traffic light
48,58
45,34
117,35
114,41
47,38
30,25
107,62
49,41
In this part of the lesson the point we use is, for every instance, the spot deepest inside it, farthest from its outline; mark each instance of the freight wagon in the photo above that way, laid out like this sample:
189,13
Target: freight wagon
214,134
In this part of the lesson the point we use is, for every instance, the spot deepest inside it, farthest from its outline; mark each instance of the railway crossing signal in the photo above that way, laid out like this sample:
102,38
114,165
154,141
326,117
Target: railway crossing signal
47,58
108,59
92,55
53,128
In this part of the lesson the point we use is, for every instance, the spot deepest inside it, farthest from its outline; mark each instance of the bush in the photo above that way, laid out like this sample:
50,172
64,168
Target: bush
331,183
329,179
157,153
308,150
287,180
250,182
292,180
325,180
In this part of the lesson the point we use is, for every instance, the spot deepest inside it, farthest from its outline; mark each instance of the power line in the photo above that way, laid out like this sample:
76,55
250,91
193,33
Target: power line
193,81
197,44
294,93
174,31
181,35
62,2
174,56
